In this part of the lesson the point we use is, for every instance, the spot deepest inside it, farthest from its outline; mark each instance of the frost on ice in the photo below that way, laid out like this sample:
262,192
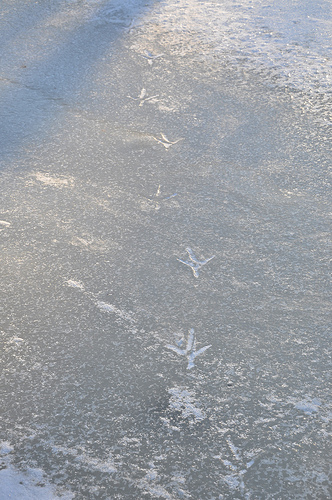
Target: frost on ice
183,400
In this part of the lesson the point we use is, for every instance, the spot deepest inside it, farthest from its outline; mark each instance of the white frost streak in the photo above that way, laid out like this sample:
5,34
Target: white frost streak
75,284
4,223
102,306
109,308
52,181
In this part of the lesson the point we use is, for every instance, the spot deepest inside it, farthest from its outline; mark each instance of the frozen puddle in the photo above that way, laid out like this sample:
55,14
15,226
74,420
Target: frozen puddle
164,227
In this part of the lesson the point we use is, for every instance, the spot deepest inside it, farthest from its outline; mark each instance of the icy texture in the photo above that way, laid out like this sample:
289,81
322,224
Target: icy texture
291,39
141,140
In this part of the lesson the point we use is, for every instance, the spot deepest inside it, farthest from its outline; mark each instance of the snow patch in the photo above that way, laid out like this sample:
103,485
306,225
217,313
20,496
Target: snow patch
28,485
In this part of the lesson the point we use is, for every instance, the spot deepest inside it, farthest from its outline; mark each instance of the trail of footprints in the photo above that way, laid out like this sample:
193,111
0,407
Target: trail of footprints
182,399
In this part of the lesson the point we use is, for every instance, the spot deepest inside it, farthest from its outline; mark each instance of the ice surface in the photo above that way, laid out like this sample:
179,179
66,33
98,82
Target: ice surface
292,40
308,406
141,140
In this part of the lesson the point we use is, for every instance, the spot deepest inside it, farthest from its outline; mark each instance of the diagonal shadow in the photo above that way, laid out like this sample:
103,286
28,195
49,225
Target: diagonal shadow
48,55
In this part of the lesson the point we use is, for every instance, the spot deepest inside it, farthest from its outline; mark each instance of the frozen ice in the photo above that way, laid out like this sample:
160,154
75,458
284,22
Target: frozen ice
308,406
135,132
